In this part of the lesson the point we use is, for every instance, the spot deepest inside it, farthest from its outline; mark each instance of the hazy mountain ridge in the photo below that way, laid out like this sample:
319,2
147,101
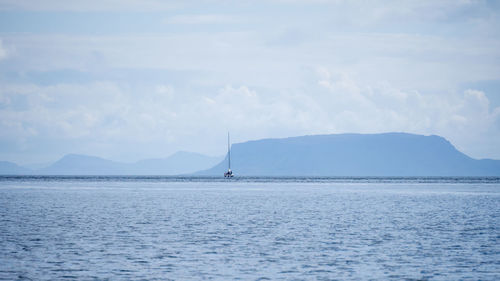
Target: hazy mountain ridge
75,164
181,162
389,154
9,168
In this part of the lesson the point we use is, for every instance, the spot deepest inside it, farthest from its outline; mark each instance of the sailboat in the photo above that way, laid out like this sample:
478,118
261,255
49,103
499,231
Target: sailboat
229,173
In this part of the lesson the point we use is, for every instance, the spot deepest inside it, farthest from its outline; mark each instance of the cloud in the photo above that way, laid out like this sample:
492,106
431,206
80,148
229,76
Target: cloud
345,13
88,5
467,118
3,51
64,110
107,118
246,58
202,19
257,68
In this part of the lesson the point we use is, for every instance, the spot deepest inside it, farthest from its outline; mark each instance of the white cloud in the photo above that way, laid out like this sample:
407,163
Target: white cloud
88,5
202,19
394,66
64,110
162,118
3,51
245,58
466,119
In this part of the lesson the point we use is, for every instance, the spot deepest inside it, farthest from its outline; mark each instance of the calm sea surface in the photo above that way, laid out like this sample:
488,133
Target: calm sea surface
54,228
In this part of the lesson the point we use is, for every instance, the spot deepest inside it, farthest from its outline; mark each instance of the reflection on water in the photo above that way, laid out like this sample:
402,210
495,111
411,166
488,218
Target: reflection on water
249,228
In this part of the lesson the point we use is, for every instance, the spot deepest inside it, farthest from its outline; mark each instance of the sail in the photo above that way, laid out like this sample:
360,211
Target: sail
229,151
229,173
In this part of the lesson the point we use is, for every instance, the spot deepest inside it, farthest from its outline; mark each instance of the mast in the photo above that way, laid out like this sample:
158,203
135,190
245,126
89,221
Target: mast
229,151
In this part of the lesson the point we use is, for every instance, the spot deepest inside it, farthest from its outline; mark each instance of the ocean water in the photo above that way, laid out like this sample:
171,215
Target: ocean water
136,228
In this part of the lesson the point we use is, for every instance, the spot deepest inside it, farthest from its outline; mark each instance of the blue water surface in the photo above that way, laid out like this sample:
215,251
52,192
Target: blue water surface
182,228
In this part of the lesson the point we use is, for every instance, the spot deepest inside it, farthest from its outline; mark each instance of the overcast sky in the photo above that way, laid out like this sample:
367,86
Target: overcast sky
131,79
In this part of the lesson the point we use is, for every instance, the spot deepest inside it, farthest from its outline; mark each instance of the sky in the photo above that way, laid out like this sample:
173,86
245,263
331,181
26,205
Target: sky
129,79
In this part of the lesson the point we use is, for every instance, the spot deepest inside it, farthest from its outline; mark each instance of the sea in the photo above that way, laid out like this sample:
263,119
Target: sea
249,228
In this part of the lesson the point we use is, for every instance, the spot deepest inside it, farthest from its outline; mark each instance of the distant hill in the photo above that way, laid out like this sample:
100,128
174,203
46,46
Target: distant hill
178,163
75,164
181,162
389,154
9,168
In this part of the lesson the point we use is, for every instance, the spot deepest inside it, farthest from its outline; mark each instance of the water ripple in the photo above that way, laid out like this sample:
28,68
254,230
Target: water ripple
121,228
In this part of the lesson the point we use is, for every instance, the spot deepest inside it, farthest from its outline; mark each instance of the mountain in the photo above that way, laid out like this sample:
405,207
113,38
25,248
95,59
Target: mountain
75,164
181,162
9,168
37,166
389,154
178,163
